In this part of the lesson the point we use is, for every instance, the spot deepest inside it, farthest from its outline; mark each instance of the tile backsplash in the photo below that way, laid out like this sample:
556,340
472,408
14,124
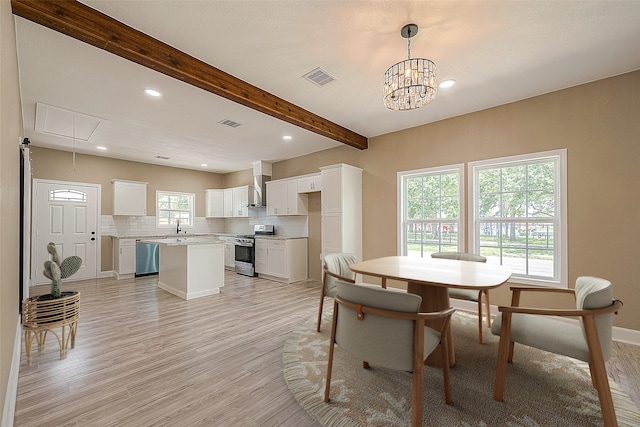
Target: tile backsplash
129,226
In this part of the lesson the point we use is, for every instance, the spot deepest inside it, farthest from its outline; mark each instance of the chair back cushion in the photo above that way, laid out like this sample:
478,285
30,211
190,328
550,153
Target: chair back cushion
460,256
378,340
592,293
339,264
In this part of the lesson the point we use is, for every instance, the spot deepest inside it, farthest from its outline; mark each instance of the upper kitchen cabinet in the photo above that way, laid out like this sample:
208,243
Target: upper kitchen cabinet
214,203
341,209
129,197
283,198
242,198
310,183
228,202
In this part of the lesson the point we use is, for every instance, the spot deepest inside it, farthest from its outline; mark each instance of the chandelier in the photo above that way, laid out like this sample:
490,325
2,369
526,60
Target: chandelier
411,83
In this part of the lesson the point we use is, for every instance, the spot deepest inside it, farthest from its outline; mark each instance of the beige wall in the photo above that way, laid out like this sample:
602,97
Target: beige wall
10,132
599,125
58,165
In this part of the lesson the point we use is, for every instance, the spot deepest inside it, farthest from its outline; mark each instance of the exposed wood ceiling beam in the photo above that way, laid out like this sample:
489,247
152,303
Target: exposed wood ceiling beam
90,26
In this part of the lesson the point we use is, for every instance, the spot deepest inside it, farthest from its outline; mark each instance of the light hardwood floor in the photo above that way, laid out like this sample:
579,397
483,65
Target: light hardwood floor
144,357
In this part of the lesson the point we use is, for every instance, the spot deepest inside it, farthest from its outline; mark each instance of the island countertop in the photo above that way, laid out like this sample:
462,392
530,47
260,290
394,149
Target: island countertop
191,240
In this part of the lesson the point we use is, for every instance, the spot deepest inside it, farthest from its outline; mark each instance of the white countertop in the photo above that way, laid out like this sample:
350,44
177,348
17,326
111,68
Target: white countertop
180,241
278,237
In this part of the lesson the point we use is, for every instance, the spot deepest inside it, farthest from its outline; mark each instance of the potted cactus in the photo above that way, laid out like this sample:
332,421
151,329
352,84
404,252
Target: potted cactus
57,270
43,313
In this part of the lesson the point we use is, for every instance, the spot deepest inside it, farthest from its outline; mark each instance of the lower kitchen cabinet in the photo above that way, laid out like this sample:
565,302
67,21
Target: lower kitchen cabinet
124,258
229,252
284,260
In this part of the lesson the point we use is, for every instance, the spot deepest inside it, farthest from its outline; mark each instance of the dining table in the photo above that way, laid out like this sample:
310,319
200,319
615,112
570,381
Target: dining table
431,278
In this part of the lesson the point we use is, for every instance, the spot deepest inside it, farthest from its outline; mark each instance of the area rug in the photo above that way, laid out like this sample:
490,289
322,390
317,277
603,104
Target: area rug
542,389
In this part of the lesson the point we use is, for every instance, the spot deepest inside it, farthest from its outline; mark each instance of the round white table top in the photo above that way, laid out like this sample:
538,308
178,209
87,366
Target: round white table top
434,271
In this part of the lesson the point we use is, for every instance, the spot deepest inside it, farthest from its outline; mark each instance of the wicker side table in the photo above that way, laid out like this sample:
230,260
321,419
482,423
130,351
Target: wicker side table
42,314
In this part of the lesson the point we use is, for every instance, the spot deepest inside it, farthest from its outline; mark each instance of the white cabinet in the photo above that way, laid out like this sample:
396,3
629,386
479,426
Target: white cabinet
262,266
227,197
214,203
124,258
283,260
283,198
341,209
229,251
309,183
242,197
276,258
129,197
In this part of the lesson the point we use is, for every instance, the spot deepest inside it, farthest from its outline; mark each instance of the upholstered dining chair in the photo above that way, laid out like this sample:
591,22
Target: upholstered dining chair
589,341
469,294
384,327
335,267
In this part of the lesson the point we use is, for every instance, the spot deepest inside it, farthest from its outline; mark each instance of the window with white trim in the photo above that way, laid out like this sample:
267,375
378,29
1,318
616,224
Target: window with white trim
430,203
518,215
174,208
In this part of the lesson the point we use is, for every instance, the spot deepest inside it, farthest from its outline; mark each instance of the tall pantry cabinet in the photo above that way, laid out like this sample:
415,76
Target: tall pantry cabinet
341,209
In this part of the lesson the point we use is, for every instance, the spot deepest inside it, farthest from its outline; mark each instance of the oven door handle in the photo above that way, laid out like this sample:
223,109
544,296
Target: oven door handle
246,245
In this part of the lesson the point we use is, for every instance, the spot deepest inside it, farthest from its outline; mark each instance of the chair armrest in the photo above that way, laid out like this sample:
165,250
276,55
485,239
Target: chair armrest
541,289
517,290
614,307
339,277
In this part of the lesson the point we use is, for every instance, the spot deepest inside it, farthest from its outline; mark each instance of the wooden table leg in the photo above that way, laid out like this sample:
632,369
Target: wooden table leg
434,298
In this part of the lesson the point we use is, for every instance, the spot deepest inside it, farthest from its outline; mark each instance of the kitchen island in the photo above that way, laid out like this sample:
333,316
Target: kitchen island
190,267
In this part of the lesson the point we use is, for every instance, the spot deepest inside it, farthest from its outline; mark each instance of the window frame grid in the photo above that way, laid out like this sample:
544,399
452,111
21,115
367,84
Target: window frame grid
402,190
559,221
191,211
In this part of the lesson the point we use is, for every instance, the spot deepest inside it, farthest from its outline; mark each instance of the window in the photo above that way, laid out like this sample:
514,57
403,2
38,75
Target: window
430,205
174,207
518,215
67,195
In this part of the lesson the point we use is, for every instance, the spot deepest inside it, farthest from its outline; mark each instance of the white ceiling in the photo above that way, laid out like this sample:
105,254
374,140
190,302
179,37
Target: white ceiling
497,51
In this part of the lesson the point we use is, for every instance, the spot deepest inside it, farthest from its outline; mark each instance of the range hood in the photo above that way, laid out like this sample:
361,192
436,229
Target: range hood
261,175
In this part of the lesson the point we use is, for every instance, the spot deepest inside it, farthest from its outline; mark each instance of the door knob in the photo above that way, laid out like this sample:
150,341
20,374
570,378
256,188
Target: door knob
93,238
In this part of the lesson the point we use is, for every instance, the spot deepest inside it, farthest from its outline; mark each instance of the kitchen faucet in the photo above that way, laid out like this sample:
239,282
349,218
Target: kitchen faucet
177,226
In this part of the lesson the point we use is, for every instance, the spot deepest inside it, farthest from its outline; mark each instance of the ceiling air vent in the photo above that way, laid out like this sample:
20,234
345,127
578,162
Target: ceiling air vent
162,157
228,122
319,77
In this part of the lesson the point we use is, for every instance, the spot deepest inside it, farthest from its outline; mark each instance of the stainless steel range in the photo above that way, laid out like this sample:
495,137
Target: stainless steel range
245,248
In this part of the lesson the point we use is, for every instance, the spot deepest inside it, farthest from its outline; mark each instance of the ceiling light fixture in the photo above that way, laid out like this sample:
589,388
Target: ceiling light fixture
101,147
287,137
411,83
152,92
446,83
204,165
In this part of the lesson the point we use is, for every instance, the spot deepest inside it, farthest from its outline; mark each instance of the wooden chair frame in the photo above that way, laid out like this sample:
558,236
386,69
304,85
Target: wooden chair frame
597,367
324,288
418,349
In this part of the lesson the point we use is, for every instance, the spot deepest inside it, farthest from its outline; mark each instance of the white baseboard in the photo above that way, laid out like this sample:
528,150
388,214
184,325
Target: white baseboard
106,274
624,335
9,407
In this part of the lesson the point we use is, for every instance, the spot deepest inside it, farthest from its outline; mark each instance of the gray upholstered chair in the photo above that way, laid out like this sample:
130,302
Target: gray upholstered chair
335,267
384,327
589,341
469,294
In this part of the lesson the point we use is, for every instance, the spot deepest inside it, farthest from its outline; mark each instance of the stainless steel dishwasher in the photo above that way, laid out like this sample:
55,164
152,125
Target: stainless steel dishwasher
147,258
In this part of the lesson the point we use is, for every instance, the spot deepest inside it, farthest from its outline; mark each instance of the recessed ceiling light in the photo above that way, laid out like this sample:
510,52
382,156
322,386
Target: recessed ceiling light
287,137
100,147
447,83
204,165
152,92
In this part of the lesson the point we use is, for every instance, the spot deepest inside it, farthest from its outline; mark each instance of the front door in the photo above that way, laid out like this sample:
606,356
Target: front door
65,213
